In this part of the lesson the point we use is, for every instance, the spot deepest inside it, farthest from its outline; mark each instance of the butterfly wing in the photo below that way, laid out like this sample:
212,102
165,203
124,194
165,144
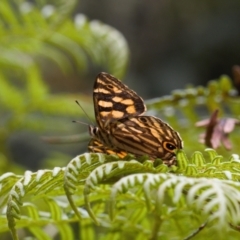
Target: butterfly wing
113,100
120,128
146,135
141,135
96,146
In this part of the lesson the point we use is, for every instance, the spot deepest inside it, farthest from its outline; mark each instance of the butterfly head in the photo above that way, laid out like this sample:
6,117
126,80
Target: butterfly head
93,131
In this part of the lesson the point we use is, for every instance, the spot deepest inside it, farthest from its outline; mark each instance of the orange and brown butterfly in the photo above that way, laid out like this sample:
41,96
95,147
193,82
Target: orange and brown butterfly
120,127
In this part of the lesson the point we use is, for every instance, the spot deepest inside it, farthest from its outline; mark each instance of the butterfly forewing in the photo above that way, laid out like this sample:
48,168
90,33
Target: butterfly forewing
113,100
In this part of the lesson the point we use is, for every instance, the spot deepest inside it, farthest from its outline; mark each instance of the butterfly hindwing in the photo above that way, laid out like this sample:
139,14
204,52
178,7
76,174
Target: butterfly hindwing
96,146
145,135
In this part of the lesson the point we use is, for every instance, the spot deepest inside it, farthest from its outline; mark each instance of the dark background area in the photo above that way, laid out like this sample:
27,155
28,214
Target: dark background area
172,43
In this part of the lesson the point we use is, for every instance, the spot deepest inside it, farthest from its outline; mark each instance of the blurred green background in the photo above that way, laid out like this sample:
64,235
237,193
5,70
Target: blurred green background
51,51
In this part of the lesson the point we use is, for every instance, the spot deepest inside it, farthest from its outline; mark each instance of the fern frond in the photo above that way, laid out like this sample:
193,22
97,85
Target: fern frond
193,102
122,193
113,44
38,31
213,199
7,181
77,171
38,183
46,31
44,185
107,171
213,166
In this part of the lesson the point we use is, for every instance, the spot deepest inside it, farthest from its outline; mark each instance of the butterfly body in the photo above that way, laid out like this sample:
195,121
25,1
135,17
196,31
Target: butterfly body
120,127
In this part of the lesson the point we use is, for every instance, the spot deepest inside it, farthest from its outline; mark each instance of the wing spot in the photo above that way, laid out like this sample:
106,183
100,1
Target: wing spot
117,90
104,113
157,134
127,102
117,99
101,90
131,109
105,103
117,114
99,81
135,130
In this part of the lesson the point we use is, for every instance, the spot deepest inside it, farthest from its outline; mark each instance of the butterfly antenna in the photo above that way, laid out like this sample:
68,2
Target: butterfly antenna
80,122
84,113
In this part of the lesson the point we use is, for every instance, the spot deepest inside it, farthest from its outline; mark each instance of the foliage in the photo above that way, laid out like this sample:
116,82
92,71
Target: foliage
145,201
127,198
40,33
185,107
96,196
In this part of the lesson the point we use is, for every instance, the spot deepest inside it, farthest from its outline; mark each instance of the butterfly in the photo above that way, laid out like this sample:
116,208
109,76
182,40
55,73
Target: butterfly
121,128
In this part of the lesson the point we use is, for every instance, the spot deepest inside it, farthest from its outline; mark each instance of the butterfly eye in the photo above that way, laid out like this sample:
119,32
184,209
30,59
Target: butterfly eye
169,146
93,131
